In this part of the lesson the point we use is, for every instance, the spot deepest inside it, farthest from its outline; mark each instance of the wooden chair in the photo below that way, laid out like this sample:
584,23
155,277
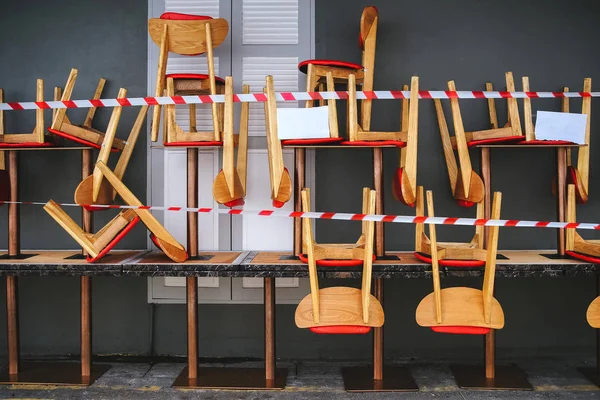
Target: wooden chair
575,245
579,175
340,310
316,70
187,35
462,310
281,182
95,190
449,254
83,134
338,255
467,187
229,187
28,140
404,183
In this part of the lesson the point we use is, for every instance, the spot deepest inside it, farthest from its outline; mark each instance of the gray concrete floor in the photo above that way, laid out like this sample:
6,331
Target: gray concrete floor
552,378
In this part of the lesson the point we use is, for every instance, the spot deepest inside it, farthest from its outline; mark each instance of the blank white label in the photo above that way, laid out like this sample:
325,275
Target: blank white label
303,123
560,126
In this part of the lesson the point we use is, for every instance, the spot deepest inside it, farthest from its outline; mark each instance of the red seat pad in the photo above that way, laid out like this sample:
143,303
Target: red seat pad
199,77
92,208
234,203
278,204
183,17
157,244
301,142
194,144
465,203
79,140
334,263
397,187
25,145
303,66
374,143
583,257
341,330
461,330
450,263
548,142
510,139
115,240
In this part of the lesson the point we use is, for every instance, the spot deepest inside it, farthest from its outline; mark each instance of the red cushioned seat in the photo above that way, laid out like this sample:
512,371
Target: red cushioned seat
510,139
334,263
461,330
79,140
374,143
115,240
546,142
200,77
235,203
450,263
303,66
465,203
157,244
341,330
25,145
397,187
194,144
183,17
278,204
301,142
583,257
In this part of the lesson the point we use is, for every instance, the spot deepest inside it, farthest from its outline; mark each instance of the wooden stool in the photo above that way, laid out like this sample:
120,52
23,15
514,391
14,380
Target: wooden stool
316,70
187,35
83,134
462,310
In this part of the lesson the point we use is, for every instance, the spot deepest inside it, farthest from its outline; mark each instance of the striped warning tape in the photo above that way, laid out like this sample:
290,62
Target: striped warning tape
399,219
285,96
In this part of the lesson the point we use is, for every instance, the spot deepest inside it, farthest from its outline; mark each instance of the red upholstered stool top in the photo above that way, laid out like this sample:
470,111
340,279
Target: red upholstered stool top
193,144
235,203
334,263
583,257
341,330
183,17
115,240
450,263
461,330
199,77
26,145
301,142
465,203
80,140
303,66
374,143
505,140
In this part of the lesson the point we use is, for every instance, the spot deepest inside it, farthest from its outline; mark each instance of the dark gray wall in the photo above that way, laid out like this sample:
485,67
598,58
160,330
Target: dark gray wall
466,40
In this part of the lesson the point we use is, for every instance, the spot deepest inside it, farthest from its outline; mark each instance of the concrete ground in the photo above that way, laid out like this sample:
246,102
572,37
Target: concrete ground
551,377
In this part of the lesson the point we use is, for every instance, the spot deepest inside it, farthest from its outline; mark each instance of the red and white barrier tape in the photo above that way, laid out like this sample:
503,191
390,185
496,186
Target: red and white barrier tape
399,219
285,96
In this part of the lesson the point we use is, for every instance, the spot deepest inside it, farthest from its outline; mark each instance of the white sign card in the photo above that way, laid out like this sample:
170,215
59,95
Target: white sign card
303,123
560,126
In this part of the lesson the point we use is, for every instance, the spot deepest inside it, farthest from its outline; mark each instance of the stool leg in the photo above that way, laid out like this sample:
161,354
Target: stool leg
490,354
12,314
86,170
192,201
378,335
86,326
486,175
378,185
299,181
14,235
561,154
269,299
192,326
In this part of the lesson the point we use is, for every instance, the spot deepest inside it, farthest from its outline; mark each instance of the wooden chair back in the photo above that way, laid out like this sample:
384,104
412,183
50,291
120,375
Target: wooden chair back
188,37
37,136
368,41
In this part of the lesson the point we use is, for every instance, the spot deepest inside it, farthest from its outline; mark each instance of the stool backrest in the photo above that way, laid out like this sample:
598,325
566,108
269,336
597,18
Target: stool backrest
188,37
